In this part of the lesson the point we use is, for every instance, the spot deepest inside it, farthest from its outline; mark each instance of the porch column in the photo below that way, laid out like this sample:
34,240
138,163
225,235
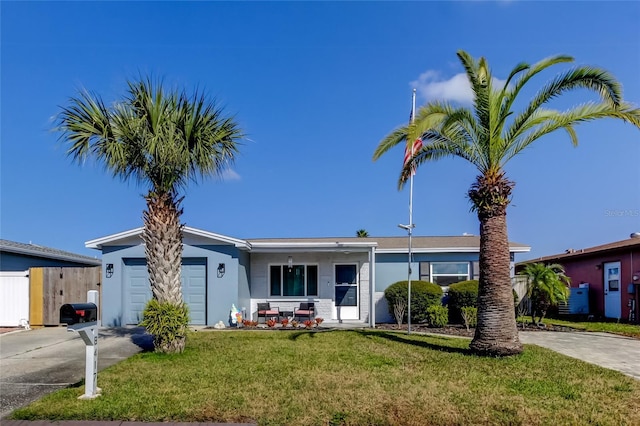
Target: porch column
372,287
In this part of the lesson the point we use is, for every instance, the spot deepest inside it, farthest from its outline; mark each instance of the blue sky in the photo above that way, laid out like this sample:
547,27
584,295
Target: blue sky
316,86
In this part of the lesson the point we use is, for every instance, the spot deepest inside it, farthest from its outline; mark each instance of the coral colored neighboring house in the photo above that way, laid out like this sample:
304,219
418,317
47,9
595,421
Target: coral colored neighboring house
612,272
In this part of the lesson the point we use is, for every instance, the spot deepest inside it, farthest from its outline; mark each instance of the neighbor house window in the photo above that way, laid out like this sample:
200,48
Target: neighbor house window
447,273
299,280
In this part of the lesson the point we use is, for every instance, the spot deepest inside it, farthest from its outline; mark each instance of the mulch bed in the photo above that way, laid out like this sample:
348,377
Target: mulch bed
461,330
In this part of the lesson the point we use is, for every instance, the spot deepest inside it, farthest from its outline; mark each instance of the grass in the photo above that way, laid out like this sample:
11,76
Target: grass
622,329
348,378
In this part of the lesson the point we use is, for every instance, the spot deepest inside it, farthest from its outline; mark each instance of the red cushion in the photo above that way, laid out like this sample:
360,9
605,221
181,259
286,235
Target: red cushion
303,312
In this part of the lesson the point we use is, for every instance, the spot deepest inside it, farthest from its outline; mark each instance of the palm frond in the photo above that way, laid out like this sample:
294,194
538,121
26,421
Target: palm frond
594,79
531,71
568,119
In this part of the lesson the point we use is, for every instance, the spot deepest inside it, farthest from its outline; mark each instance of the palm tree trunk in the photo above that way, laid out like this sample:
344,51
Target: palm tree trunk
162,236
496,333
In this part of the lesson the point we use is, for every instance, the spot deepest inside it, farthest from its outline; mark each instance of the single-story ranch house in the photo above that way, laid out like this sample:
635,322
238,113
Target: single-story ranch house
345,277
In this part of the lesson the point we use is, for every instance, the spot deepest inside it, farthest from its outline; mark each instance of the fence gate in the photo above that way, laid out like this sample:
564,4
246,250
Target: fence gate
14,298
52,287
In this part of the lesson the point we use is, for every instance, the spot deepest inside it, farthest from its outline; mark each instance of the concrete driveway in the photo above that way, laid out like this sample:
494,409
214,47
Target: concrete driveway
606,350
36,362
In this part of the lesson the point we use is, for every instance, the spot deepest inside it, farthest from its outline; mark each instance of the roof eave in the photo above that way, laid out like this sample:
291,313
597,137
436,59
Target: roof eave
68,258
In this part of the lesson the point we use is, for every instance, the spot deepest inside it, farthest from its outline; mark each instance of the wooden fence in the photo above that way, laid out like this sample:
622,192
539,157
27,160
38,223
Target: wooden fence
52,287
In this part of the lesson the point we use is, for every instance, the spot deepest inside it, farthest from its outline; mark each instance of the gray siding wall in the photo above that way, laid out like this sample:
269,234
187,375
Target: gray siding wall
221,291
244,289
391,268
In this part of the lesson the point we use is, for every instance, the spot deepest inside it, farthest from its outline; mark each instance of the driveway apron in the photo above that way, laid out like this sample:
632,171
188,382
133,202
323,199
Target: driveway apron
606,350
36,362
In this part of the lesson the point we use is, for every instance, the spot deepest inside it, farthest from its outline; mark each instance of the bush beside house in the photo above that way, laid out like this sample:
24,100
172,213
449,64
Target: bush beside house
423,295
464,293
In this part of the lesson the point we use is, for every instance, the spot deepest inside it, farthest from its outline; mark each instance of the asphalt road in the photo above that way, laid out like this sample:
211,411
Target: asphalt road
36,362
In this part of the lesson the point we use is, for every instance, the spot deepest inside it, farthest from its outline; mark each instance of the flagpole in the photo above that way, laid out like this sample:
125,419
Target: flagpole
411,225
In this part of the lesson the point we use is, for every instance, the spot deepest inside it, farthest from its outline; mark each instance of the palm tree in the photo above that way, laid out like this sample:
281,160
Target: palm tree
488,135
162,140
362,233
547,285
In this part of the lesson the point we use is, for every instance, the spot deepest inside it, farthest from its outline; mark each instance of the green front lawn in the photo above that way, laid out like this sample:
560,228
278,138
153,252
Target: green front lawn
629,330
349,377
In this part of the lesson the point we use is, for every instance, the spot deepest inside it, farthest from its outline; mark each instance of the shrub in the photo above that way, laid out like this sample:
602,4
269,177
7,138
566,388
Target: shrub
167,322
423,295
469,316
464,293
437,316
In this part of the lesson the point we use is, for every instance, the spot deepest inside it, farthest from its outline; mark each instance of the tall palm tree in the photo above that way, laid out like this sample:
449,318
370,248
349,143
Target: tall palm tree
547,285
162,140
488,135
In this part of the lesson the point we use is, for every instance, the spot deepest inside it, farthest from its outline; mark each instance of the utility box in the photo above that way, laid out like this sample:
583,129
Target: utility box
76,313
579,301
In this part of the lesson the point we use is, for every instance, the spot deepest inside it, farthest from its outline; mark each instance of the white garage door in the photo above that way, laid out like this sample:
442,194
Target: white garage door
194,289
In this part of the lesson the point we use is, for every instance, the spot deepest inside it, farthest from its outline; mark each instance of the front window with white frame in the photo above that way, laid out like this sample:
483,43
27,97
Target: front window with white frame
294,281
446,273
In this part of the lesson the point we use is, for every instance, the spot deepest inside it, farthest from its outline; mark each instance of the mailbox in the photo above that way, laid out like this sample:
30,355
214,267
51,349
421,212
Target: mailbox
74,313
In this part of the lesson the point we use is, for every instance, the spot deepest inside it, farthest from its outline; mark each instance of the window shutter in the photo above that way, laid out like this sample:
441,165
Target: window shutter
475,270
424,271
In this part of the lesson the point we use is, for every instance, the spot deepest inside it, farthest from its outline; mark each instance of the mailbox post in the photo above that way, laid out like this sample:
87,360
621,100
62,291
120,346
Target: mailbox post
83,319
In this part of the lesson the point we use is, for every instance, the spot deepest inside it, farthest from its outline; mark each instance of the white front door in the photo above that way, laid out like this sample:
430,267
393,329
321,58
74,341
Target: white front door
612,284
345,306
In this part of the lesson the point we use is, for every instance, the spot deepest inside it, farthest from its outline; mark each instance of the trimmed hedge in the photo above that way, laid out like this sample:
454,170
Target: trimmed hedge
423,295
464,293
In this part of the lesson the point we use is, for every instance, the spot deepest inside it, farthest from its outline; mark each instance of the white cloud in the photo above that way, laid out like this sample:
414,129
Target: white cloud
230,174
430,86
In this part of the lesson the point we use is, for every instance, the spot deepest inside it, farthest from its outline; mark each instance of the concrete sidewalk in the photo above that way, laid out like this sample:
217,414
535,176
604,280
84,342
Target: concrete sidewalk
606,350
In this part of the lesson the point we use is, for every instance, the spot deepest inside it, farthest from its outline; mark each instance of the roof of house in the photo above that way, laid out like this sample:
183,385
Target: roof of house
590,251
432,244
46,252
466,243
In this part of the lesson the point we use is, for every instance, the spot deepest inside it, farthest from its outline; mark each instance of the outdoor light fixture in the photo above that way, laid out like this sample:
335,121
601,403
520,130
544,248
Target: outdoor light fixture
407,227
635,276
290,262
221,270
109,270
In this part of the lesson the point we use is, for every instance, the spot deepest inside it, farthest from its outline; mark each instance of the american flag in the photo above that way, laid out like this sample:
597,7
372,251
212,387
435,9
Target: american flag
411,149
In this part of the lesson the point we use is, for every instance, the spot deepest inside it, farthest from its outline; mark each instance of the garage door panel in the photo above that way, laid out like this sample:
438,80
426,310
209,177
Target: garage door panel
194,291
138,292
